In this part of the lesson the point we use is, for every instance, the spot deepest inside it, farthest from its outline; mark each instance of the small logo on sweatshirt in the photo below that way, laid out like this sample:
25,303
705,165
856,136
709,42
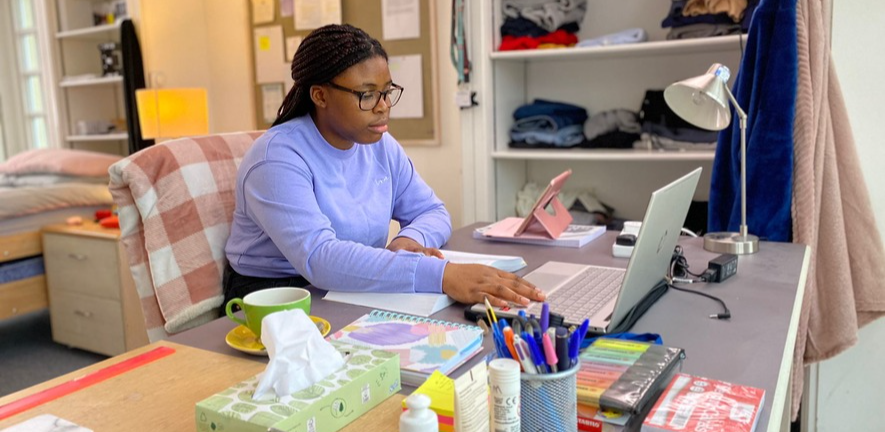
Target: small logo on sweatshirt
381,180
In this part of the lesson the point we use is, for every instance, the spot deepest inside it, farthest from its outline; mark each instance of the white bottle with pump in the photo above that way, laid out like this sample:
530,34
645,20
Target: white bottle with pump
418,417
504,380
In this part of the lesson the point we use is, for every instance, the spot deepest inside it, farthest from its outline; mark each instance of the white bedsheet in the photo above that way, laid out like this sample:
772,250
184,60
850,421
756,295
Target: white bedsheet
21,201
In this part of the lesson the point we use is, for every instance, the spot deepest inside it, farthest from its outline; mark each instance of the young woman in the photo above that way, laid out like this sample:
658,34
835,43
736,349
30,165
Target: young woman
317,191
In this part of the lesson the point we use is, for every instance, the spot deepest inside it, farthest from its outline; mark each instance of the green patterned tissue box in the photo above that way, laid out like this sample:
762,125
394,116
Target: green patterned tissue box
367,378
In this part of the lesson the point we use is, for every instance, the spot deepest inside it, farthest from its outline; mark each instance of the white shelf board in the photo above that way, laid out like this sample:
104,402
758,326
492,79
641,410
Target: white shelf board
96,32
667,47
92,81
605,155
107,137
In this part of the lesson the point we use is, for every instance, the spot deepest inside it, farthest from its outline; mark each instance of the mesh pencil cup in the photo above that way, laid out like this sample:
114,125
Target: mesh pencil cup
549,401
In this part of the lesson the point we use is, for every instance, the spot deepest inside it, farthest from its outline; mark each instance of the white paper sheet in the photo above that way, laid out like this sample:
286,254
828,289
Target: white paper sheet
292,44
271,99
262,11
310,14
471,396
270,64
407,72
401,19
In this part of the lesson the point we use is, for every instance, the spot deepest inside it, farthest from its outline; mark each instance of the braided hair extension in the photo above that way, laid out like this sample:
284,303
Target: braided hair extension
324,54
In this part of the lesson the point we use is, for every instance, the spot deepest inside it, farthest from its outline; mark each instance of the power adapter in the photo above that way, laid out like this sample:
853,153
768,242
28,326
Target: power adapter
721,268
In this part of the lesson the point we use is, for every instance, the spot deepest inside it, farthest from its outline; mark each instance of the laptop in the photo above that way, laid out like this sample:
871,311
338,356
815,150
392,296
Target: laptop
606,295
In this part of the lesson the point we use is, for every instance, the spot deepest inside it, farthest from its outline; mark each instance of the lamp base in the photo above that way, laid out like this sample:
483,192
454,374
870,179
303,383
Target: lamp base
731,243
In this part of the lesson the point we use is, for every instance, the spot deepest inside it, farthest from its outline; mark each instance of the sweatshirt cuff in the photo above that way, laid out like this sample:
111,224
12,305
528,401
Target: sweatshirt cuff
413,234
429,275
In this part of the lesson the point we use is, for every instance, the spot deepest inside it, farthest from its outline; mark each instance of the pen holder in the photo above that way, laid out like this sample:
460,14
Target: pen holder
549,401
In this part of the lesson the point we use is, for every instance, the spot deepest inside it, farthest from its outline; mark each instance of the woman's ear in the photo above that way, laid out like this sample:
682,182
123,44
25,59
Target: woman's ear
318,96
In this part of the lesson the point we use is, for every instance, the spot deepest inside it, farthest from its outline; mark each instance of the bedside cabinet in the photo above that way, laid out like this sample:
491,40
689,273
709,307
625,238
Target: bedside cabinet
93,304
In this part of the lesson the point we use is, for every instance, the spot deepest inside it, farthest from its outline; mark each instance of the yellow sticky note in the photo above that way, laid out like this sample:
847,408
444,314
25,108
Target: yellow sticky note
264,43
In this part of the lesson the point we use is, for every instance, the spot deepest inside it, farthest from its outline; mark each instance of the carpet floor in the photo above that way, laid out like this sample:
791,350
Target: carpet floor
28,355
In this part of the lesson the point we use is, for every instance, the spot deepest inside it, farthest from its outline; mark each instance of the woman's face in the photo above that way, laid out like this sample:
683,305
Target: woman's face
339,117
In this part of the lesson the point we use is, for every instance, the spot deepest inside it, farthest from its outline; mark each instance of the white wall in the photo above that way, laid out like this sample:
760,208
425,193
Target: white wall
202,43
849,386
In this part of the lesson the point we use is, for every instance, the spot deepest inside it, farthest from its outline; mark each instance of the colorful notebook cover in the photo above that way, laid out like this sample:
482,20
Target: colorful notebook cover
424,345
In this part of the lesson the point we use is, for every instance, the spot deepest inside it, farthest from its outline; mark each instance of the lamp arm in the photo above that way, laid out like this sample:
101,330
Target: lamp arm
743,124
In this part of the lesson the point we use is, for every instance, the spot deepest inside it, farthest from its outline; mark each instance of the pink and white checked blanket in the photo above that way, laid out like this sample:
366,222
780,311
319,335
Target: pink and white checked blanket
176,202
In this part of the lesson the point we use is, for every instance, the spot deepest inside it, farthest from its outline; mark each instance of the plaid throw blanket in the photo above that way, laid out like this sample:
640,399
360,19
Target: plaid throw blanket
176,201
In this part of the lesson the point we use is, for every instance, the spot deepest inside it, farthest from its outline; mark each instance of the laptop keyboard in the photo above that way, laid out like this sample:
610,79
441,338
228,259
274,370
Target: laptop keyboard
585,294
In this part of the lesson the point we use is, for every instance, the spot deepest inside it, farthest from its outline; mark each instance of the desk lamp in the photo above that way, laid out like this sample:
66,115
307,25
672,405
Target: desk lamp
703,102
172,113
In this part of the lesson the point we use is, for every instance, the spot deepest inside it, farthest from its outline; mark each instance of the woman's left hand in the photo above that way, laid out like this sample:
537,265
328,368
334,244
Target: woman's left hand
407,244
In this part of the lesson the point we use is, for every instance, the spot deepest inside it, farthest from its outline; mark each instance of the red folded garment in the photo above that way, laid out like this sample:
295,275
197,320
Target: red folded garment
559,37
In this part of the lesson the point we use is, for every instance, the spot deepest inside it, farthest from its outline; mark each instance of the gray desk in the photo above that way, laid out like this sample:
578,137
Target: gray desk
754,348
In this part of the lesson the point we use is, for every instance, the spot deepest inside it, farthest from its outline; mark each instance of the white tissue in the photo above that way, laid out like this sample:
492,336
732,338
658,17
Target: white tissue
299,356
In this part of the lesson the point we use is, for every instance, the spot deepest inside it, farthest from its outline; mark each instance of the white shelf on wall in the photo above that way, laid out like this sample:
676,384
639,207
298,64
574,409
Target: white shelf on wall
97,32
92,81
107,137
644,49
604,155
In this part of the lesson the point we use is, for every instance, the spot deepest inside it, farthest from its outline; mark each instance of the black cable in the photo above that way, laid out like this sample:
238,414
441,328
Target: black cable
681,263
726,314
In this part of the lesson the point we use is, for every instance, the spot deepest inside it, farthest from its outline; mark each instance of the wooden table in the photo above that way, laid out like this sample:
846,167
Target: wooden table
161,395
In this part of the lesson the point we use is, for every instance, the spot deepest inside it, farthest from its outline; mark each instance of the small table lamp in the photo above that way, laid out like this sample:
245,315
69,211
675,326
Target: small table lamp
703,102
172,113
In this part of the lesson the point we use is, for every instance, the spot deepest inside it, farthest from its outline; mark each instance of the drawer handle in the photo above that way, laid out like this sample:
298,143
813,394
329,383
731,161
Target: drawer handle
84,314
78,256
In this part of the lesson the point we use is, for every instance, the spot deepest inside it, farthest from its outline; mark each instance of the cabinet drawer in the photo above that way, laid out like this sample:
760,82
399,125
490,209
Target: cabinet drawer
82,265
87,322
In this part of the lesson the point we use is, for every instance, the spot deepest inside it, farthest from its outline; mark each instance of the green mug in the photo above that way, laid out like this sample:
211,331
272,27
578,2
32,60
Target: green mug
264,302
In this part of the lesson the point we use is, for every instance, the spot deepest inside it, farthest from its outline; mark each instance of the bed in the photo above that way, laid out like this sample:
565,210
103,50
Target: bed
38,188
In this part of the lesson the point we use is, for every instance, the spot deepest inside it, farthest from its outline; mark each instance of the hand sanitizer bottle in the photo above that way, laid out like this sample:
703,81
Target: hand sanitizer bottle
418,417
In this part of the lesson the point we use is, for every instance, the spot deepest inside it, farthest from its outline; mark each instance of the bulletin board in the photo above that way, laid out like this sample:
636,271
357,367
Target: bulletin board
367,15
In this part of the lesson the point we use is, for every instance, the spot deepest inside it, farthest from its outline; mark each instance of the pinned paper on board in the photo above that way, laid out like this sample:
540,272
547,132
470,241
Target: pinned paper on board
311,14
271,100
287,7
401,19
292,44
406,71
262,11
270,65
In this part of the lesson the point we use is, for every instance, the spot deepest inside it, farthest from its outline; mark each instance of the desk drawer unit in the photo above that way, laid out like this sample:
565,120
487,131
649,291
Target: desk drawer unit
87,322
83,265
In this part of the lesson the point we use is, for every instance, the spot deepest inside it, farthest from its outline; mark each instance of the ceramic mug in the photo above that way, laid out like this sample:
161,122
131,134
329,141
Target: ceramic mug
263,302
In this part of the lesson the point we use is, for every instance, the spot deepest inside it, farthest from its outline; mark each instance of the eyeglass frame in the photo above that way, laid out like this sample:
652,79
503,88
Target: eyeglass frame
382,94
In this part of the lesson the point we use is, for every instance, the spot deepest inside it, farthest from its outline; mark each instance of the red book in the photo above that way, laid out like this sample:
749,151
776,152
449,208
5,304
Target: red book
695,404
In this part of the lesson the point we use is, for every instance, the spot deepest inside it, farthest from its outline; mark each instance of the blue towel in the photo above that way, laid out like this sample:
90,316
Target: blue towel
766,88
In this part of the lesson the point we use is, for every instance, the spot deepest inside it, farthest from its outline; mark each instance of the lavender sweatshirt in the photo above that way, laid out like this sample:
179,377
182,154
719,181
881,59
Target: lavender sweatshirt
304,207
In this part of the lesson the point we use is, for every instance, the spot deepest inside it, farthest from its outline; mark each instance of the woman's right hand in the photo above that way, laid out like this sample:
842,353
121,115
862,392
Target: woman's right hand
472,283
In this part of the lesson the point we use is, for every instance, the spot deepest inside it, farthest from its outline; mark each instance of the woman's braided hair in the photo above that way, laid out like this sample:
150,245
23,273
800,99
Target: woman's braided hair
324,54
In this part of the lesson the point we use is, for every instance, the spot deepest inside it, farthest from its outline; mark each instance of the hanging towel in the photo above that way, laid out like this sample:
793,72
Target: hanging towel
831,207
765,87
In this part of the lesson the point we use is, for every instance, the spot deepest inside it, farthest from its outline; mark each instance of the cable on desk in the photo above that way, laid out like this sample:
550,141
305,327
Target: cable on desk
679,265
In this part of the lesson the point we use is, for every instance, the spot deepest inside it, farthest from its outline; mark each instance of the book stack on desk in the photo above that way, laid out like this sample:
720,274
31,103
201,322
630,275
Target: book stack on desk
619,381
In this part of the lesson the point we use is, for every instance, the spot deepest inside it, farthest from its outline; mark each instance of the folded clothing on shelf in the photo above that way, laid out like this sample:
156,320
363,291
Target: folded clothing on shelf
544,123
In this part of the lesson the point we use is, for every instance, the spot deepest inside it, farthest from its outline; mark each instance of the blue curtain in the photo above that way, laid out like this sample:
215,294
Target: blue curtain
765,87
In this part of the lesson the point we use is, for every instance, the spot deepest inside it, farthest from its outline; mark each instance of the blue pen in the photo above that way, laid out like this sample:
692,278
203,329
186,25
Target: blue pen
503,323
574,343
501,346
545,318
537,356
582,331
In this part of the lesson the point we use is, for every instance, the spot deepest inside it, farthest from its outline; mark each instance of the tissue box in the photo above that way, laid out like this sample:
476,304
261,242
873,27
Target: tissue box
368,377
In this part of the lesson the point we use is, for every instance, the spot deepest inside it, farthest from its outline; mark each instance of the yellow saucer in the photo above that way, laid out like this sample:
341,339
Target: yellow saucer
242,339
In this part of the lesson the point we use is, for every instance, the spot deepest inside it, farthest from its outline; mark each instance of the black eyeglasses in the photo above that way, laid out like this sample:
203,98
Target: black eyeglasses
369,99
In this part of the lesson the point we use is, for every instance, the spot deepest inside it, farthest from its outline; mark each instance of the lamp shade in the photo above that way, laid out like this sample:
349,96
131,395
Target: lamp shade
702,100
172,113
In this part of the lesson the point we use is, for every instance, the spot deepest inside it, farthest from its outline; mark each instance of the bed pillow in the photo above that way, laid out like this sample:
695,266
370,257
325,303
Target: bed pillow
60,161
25,180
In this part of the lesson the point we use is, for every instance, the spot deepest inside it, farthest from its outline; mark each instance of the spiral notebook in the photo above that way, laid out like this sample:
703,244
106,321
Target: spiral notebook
424,345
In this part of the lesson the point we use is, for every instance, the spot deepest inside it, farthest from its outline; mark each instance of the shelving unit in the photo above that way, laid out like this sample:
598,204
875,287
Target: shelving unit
597,78
87,99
